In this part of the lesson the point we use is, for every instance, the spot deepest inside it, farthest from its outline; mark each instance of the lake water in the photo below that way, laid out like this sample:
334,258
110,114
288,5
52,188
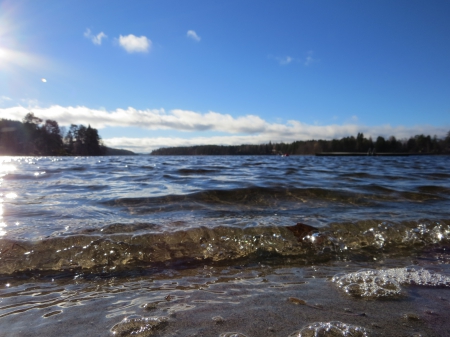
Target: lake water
225,246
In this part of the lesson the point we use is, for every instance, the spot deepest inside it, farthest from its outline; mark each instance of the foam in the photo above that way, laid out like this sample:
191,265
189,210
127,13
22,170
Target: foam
330,329
370,283
139,326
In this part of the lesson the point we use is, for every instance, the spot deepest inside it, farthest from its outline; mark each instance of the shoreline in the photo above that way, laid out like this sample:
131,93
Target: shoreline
253,300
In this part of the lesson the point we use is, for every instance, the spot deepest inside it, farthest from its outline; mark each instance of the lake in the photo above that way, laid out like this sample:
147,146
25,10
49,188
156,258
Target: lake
225,246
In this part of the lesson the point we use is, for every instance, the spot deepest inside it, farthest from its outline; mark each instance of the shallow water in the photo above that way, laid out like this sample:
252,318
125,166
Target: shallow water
205,246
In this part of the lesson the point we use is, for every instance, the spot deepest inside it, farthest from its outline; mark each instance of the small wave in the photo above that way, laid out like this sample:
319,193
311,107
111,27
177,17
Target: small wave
254,196
433,189
134,228
436,175
77,168
290,171
195,171
35,175
360,175
114,248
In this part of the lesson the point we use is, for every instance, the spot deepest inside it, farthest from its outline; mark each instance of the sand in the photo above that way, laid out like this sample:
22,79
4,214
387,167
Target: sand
255,300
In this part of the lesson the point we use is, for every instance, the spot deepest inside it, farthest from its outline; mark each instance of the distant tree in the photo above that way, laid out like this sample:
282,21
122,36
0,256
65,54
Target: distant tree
360,142
380,144
32,119
446,142
52,138
393,145
32,137
69,139
92,142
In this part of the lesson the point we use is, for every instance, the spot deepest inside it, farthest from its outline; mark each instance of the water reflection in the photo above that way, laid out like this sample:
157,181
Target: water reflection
5,168
2,224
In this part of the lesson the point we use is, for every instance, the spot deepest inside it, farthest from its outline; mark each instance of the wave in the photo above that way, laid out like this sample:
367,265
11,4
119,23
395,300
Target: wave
187,171
120,247
255,196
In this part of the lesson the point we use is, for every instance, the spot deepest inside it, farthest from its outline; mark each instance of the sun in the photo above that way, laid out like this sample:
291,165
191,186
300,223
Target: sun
3,57
13,52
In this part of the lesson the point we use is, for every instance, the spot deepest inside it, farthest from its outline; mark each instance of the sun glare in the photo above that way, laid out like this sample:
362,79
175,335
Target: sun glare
13,52
4,57
5,167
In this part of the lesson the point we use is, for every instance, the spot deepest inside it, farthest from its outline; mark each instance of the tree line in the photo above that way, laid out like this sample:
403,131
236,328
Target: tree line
35,137
419,144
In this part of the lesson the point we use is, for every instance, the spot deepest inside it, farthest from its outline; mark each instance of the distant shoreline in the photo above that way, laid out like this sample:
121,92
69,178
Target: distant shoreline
347,146
306,155
364,154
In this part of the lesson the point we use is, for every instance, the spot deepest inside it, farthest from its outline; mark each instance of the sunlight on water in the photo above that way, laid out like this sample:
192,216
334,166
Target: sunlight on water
5,166
11,195
2,224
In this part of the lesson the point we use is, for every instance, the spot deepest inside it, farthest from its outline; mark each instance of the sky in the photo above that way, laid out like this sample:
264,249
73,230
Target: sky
157,73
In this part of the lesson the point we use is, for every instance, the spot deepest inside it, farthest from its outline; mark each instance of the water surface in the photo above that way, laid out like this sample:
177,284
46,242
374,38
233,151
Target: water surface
118,233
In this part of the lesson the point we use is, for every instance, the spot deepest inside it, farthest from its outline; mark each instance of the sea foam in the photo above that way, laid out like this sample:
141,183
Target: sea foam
371,283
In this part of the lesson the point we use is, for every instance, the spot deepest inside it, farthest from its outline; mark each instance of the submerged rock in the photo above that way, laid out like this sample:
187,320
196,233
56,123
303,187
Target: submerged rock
330,329
370,283
139,326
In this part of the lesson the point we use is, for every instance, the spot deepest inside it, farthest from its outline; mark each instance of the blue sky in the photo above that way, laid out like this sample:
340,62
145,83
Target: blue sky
149,73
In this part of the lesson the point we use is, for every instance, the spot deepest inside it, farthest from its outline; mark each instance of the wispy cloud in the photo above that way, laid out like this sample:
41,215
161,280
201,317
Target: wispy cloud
134,44
285,60
5,98
248,129
193,35
309,58
96,39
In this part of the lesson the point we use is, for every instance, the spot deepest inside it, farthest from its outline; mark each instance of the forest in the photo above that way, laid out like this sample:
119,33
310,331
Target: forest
35,137
419,144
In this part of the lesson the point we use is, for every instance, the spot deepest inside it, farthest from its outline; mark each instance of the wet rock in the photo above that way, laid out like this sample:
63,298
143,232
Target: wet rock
411,317
150,306
139,326
301,230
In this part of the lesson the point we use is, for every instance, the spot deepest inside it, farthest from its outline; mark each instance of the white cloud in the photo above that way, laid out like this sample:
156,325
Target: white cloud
193,35
134,44
248,129
182,120
5,98
96,39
